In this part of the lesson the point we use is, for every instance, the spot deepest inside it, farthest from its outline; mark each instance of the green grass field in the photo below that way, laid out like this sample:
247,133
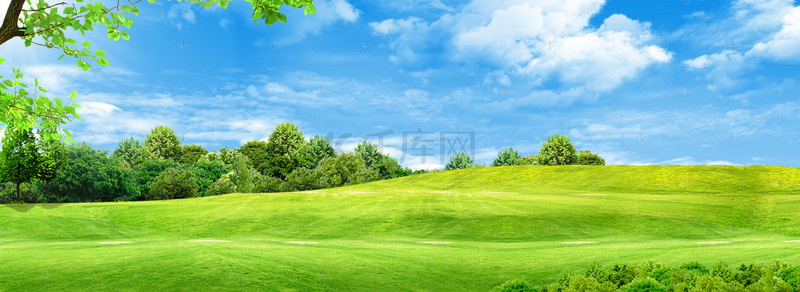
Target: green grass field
448,231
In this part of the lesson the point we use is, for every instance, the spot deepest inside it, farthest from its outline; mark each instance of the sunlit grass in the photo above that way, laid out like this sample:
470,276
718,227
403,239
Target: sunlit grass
457,230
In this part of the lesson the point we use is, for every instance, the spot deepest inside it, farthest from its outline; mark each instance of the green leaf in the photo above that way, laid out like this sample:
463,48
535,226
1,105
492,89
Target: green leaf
100,53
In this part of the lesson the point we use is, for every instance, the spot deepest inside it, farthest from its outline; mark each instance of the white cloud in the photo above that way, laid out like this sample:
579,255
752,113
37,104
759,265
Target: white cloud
328,12
181,11
691,161
539,40
785,44
722,69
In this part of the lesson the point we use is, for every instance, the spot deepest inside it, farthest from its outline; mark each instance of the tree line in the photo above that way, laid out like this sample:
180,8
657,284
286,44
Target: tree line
36,169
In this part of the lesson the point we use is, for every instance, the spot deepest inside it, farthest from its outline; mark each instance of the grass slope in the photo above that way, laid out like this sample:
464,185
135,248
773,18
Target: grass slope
457,230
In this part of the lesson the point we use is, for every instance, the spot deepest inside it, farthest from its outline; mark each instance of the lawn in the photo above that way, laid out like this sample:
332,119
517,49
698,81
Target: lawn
448,231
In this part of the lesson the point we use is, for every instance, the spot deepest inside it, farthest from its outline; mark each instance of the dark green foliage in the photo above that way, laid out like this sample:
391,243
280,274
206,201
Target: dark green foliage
588,158
267,184
148,170
173,183
162,143
345,169
557,150
52,160
131,151
89,175
388,168
318,149
694,266
256,152
585,283
20,159
301,179
284,150
460,160
516,285
507,156
27,193
243,174
192,153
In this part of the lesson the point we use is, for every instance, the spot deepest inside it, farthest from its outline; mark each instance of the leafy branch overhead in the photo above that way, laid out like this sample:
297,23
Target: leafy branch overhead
55,25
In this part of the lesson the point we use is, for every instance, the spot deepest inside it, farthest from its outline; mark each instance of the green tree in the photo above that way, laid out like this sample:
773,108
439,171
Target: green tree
192,153
345,169
318,149
284,150
557,150
507,156
173,183
222,186
256,152
56,25
242,175
162,143
460,160
53,157
131,151
369,153
530,160
302,179
588,158
20,160
89,175
147,171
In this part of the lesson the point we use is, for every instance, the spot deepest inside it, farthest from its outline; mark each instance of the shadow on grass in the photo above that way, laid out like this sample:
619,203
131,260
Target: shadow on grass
25,207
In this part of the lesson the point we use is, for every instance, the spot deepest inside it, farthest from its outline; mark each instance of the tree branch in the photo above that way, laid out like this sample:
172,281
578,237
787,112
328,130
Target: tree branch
10,27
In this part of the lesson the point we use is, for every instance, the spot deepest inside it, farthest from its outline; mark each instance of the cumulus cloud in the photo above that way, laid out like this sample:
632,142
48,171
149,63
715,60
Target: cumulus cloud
538,40
774,24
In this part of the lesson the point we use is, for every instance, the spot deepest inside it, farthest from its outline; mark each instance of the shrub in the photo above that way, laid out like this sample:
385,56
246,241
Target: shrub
20,158
529,160
644,285
131,151
284,150
388,168
267,184
162,143
345,169
192,153
222,186
557,150
507,156
302,179
516,285
173,183
588,158
460,160
147,171
584,283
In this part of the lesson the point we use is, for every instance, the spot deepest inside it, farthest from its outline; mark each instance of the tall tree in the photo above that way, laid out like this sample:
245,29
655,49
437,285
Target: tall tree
318,149
53,158
284,150
162,143
20,159
368,152
256,152
57,24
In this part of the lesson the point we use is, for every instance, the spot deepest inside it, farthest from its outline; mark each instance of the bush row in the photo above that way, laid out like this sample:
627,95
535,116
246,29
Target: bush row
656,277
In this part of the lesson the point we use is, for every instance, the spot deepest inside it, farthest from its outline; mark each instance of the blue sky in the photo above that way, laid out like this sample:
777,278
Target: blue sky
639,82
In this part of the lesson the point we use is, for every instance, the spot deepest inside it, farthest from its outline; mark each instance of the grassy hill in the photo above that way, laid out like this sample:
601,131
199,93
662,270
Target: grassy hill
456,230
